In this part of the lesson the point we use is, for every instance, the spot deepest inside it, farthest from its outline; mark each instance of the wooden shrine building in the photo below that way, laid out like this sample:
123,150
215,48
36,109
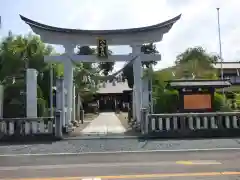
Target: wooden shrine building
112,96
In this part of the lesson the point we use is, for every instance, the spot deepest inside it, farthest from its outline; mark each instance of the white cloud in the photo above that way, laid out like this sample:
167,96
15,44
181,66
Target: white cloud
198,25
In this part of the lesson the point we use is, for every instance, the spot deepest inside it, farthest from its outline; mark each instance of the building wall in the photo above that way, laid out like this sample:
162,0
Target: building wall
232,75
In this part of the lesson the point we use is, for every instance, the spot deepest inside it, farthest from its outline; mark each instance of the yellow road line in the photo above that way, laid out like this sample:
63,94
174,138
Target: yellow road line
137,176
197,162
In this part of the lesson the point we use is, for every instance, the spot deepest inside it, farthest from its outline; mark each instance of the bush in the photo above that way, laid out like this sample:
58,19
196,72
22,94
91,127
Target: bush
166,102
220,103
41,106
15,100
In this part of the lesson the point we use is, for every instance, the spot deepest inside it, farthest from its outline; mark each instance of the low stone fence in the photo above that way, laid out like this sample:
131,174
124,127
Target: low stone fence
191,124
21,129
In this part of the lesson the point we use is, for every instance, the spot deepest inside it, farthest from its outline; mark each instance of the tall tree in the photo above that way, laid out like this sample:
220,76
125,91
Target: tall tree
106,67
128,70
195,62
18,53
196,54
84,74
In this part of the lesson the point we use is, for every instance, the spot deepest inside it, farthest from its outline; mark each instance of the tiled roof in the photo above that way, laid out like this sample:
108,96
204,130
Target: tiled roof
109,88
227,65
102,32
199,83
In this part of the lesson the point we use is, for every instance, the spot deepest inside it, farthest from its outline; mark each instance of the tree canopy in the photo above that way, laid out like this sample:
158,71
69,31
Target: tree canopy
195,62
128,70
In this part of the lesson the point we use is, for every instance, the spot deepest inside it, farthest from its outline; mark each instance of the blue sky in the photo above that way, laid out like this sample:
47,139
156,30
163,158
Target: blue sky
198,25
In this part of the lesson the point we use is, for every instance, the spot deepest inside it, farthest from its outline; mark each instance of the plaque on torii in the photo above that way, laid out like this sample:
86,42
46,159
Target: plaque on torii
102,48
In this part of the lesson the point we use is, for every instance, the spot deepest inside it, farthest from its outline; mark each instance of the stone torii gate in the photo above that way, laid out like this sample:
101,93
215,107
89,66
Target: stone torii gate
133,37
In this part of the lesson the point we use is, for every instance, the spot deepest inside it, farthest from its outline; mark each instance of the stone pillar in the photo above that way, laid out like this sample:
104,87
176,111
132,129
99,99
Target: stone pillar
68,82
137,71
58,125
65,105
145,92
133,104
150,90
31,93
73,104
78,107
60,99
1,100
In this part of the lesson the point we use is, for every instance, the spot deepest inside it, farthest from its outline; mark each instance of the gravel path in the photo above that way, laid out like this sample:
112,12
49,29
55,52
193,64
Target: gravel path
101,145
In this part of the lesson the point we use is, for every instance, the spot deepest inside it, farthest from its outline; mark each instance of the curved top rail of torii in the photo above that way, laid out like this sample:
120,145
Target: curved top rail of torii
132,36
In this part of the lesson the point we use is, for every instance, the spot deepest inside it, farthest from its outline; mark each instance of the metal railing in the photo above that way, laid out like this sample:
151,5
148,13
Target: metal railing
185,122
26,126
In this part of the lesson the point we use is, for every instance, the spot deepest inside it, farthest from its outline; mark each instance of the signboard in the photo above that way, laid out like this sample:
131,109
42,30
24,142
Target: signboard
197,101
102,48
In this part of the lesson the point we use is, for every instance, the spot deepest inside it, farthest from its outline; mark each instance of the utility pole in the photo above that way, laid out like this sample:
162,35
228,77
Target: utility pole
51,91
220,44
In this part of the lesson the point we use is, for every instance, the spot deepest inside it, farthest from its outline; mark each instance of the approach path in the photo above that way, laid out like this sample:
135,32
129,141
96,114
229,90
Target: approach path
105,123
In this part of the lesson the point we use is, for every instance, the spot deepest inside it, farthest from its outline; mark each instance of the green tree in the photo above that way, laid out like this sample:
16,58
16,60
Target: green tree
18,53
128,70
106,67
195,62
192,63
84,73
91,71
198,54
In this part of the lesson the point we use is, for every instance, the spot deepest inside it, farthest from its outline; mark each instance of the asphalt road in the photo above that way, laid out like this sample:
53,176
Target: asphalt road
142,165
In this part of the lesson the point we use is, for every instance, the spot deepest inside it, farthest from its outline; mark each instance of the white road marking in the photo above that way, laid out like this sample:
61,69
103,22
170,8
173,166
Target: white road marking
88,178
119,152
109,165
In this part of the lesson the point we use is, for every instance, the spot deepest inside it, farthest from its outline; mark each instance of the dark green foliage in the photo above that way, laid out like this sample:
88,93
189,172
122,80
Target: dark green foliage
15,98
220,103
196,54
106,67
16,54
128,71
166,102
128,74
41,105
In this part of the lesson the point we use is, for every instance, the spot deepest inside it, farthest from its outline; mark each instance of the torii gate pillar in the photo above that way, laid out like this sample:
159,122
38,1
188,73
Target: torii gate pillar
137,71
68,84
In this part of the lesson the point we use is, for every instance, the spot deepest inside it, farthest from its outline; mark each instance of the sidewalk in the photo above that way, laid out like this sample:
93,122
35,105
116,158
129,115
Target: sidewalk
112,145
